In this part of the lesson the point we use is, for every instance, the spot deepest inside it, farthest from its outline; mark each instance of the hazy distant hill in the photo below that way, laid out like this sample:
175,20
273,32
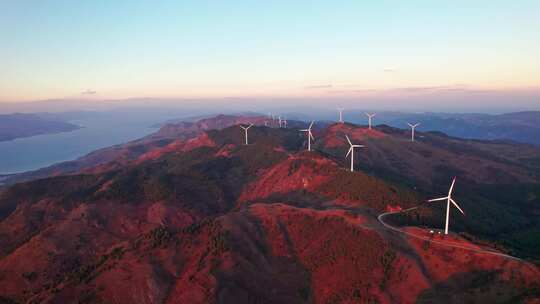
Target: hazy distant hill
520,126
23,125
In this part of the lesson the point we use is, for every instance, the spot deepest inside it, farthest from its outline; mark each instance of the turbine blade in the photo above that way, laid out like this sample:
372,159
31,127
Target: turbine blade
410,125
304,130
350,143
455,204
451,187
358,146
311,135
311,125
349,152
438,199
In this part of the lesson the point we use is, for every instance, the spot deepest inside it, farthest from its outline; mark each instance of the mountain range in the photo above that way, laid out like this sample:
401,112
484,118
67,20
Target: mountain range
19,125
190,214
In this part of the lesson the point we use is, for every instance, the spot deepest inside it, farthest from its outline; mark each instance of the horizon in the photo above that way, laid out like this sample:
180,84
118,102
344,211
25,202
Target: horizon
402,56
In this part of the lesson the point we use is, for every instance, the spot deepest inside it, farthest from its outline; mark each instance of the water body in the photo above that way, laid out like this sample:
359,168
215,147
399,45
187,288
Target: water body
98,131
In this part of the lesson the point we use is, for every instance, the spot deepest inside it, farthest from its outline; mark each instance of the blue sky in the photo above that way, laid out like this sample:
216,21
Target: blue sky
122,49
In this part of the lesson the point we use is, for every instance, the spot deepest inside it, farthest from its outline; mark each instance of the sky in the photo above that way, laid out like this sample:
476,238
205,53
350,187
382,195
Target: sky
422,52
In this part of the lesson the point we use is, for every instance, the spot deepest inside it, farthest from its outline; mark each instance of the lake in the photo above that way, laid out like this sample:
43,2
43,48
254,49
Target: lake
99,131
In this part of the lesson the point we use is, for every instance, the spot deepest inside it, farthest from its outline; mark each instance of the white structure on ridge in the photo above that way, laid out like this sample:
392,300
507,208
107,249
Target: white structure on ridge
351,151
309,135
412,129
448,200
340,114
370,117
246,131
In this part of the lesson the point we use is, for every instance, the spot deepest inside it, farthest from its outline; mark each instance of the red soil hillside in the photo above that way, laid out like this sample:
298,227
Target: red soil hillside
334,135
302,171
336,250
115,156
179,146
323,181
207,219
431,157
276,254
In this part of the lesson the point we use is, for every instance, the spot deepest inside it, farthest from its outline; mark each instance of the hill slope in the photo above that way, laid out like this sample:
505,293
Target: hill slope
208,220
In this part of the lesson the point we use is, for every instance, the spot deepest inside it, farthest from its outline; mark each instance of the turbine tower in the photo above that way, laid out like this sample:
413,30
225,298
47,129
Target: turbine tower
285,123
351,151
448,200
246,131
280,121
370,117
340,114
309,135
412,129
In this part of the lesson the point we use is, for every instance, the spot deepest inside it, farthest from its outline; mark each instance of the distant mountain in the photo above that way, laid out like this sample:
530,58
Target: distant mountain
166,137
520,126
17,125
192,215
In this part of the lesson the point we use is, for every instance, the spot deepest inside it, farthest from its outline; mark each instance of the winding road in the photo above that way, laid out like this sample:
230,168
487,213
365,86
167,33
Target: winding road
447,244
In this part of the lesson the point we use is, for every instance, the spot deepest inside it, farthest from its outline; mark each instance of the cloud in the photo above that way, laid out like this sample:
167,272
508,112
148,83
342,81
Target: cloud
322,86
88,92
459,87
433,89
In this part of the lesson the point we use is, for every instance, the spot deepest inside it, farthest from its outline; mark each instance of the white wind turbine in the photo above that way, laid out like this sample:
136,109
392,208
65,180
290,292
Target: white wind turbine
284,123
412,129
370,117
340,114
448,201
246,131
280,121
309,136
351,151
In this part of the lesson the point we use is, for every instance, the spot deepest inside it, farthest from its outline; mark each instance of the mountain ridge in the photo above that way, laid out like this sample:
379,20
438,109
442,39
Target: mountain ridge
209,219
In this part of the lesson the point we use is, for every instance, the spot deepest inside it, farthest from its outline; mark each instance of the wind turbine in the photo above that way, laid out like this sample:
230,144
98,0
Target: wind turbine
280,121
309,135
412,129
370,116
448,201
246,131
285,123
340,114
351,151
